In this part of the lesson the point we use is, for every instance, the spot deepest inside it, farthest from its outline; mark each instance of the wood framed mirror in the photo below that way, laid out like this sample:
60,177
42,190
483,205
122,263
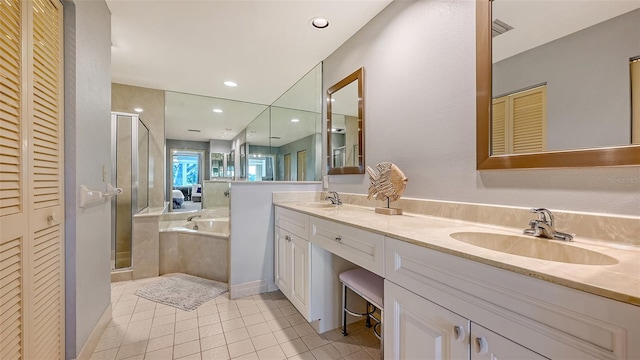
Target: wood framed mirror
487,157
345,125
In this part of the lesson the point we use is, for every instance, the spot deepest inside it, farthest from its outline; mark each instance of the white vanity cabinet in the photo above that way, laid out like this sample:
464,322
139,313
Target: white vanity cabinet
510,315
292,258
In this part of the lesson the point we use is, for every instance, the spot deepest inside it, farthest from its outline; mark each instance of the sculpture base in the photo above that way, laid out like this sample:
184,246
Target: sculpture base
388,211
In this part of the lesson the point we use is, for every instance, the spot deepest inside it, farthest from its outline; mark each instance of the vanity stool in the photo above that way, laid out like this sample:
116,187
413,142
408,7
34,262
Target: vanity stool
371,288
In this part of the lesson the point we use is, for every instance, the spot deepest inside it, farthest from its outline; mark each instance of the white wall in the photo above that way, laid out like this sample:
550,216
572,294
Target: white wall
252,216
419,60
87,148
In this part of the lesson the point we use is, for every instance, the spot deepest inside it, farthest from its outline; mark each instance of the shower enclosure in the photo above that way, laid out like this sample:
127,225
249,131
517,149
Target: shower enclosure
130,171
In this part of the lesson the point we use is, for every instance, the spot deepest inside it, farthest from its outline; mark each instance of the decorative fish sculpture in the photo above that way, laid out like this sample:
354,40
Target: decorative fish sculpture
388,183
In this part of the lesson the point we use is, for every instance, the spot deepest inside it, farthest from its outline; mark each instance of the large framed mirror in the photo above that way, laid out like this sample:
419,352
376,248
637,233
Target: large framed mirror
345,125
566,95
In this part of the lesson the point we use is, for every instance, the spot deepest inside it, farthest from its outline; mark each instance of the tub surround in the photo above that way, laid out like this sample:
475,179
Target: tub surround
428,224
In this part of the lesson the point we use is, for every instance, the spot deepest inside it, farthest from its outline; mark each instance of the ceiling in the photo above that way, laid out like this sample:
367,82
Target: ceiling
541,21
194,46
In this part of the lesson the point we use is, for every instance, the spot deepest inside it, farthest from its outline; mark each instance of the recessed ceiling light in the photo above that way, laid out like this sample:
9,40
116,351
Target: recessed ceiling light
295,120
230,83
319,22
217,110
138,110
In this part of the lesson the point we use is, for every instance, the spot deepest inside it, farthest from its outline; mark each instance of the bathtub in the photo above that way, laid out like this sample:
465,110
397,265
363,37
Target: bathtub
199,247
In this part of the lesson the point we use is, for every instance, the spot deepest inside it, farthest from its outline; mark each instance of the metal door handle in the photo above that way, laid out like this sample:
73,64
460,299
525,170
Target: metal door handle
338,239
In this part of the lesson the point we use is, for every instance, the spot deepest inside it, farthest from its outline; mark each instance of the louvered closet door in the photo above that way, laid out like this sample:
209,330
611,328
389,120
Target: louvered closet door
529,121
13,209
31,198
46,281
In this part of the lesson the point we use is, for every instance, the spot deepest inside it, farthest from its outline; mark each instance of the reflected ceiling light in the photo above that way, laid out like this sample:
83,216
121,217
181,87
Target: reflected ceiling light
295,120
230,83
217,110
319,22
138,110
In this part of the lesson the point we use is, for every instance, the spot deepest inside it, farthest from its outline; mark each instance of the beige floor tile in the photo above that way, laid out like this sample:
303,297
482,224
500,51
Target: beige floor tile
136,357
333,335
276,295
346,346
359,355
207,310
294,347
240,348
228,315
210,330
162,330
326,352
265,305
142,315
258,329
282,302
130,350
226,306
186,336
304,329
145,308
278,324
162,354
185,315
109,342
232,324
236,335
163,310
135,335
219,353
212,342
285,335
186,325
304,356
196,356
249,356
208,319
289,310
272,314
105,355
253,319
245,302
189,348
161,342
140,325
296,319
373,352
163,320
271,353
264,341
249,310
120,320
314,340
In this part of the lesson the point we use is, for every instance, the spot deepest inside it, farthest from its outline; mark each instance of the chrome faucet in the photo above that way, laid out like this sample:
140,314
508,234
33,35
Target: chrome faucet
190,218
335,199
543,226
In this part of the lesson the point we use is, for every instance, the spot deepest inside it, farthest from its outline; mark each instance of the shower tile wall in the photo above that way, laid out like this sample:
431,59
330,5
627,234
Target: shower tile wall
125,98
213,195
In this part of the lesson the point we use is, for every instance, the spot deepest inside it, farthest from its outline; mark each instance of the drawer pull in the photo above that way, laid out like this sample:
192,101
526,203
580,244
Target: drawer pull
287,237
338,239
481,345
458,333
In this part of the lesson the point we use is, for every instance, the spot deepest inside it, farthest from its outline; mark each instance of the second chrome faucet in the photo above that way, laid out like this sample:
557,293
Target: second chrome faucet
544,226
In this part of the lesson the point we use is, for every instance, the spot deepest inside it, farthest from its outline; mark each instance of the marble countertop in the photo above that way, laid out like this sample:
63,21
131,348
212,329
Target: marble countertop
620,281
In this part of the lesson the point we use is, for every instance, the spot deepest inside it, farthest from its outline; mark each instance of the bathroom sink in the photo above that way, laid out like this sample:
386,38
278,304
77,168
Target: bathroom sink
318,205
533,247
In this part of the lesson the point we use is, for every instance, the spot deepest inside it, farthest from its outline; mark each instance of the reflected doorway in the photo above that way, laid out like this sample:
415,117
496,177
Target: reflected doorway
187,173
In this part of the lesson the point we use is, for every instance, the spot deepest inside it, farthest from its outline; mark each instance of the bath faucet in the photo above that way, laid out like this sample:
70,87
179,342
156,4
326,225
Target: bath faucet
543,226
335,199
190,218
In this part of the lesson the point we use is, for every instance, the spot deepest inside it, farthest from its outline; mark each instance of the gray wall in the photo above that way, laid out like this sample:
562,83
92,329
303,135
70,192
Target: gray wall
419,60
187,145
219,146
588,82
87,47
307,143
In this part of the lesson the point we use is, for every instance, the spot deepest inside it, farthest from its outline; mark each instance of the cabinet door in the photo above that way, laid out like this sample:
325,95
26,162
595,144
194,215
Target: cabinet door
485,344
299,281
282,268
416,328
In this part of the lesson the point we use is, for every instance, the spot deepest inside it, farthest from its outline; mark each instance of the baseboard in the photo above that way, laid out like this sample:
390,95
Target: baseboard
250,288
121,275
96,334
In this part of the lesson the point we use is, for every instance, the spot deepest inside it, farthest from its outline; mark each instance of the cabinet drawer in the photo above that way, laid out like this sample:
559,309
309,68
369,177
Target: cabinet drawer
293,222
363,248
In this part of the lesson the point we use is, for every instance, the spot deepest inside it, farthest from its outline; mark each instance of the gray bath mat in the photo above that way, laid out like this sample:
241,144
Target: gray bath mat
183,291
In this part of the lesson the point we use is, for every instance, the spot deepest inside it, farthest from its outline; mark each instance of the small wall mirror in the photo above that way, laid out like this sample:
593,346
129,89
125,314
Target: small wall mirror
559,96
345,125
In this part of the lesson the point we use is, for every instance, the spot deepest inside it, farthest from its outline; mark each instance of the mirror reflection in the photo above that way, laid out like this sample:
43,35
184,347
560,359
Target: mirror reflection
345,152
573,85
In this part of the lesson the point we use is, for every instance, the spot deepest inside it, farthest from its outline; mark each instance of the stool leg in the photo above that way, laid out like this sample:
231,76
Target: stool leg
344,310
368,321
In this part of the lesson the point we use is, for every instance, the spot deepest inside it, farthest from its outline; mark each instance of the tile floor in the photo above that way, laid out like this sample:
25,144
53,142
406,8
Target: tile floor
264,326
